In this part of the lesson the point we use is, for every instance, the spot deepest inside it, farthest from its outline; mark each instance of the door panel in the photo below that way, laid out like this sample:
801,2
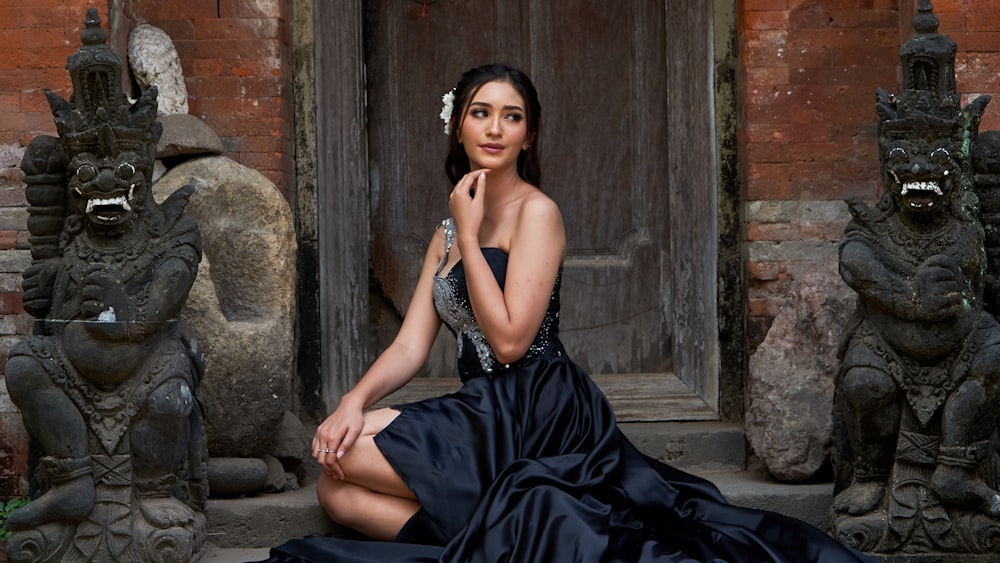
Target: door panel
602,73
604,157
411,61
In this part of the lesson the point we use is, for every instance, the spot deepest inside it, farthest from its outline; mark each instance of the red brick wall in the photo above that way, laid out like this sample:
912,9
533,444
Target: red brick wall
236,58
37,37
811,69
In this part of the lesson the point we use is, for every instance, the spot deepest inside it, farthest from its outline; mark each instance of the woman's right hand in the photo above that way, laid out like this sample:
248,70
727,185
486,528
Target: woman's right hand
336,435
466,202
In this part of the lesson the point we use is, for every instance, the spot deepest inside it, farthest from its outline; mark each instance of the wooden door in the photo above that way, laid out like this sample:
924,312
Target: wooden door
621,154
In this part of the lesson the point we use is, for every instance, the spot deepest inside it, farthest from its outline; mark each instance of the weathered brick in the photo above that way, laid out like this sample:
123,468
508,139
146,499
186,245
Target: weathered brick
794,152
221,28
945,6
12,196
792,231
262,161
13,218
790,252
249,8
213,86
53,78
766,20
980,41
885,57
246,108
764,5
953,22
251,51
34,101
840,38
179,29
758,132
765,47
821,231
267,86
797,210
9,325
773,232
29,16
10,304
861,76
31,125
265,125
768,76
14,261
862,18
10,282
154,10
794,180
8,240
259,144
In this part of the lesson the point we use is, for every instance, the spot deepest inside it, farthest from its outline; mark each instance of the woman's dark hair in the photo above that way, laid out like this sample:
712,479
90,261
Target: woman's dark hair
457,163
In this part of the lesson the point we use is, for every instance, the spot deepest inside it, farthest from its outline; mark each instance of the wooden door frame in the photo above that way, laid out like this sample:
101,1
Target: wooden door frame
712,272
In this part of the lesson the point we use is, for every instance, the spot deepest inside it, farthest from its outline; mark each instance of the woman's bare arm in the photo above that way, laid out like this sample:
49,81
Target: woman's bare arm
510,319
393,369
409,349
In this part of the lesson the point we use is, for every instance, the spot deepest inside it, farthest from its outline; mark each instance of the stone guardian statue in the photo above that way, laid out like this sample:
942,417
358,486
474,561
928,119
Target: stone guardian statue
106,384
918,390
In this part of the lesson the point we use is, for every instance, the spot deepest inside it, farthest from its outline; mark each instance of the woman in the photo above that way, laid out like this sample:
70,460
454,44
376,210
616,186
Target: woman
525,462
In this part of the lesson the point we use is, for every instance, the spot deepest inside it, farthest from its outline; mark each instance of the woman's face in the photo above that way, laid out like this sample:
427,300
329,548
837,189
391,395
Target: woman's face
494,127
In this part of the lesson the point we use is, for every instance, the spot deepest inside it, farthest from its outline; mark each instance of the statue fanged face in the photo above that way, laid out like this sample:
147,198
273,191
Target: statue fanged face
920,173
104,189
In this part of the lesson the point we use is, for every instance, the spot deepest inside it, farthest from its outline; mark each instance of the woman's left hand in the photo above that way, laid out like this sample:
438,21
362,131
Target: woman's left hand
466,202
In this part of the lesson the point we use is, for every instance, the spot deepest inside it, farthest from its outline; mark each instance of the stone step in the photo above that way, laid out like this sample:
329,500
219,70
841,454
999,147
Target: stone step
691,446
243,529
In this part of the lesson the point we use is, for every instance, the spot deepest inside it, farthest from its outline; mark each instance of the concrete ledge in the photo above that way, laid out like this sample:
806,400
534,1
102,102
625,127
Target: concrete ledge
244,529
267,520
692,446
215,554
808,502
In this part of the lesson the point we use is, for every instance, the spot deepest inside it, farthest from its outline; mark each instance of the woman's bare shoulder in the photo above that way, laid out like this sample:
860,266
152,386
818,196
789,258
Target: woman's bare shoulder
538,205
539,219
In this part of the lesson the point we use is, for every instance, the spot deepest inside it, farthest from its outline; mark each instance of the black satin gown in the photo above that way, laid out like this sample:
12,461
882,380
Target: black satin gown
526,464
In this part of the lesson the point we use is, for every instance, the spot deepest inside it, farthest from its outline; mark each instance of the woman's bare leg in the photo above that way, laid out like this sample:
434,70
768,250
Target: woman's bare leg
364,464
376,515
371,498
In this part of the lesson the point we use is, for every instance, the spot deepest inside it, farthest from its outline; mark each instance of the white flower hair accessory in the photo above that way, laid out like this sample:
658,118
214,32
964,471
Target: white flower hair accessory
449,101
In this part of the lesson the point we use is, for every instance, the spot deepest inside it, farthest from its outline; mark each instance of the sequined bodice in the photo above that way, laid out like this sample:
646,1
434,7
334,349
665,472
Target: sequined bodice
451,299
